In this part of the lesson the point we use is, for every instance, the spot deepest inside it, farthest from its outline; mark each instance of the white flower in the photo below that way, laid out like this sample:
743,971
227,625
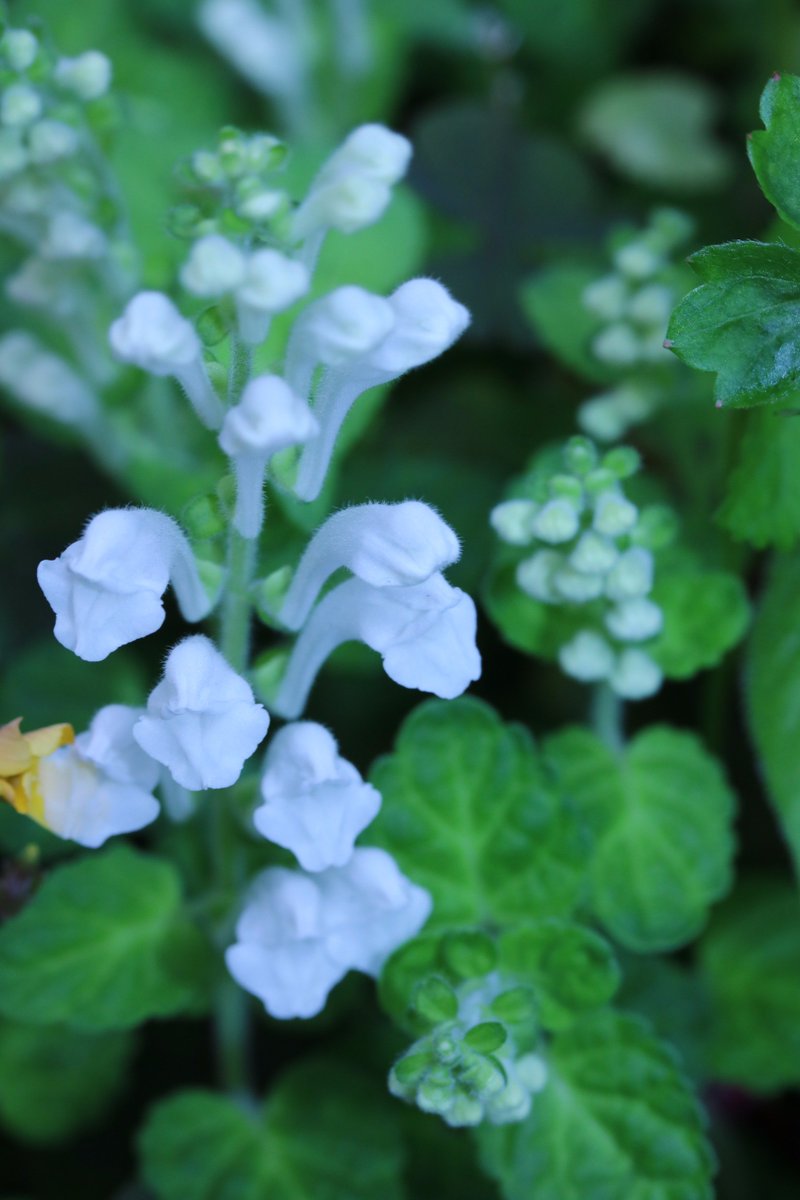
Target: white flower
202,722
272,282
71,236
556,521
578,587
264,49
214,266
425,634
153,335
587,657
386,545
512,520
631,575
19,48
536,575
635,620
593,553
268,418
109,743
48,141
88,76
427,320
315,802
299,934
85,803
45,382
636,675
373,152
346,324
20,104
106,588
614,514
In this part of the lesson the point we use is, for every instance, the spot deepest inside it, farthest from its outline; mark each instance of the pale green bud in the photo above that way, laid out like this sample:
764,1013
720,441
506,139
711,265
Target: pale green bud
49,141
651,305
88,76
20,104
19,48
635,620
513,521
606,297
465,1111
617,344
614,514
587,657
622,461
593,553
657,527
511,1105
207,167
631,575
603,418
437,1091
577,587
482,1075
567,487
556,522
635,675
535,575
580,455
261,205
638,260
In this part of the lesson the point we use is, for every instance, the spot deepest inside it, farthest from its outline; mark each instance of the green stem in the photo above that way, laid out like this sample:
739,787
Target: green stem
237,604
606,717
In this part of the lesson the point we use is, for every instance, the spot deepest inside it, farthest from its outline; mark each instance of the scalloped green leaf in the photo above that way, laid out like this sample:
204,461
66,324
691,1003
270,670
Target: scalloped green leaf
468,813
762,499
617,1120
774,150
661,812
706,614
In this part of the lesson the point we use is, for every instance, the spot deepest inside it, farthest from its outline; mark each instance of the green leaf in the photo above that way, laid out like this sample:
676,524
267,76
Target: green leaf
616,1121
324,1134
55,1081
102,945
655,127
661,813
673,999
553,303
774,151
750,961
743,322
468,813
570,968
762,501
773,695
706,613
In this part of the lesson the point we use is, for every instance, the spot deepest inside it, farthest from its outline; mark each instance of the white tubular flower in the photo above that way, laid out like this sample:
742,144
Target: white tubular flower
109,743
353,188
631,575
44,382
299,934
214,266
152,334
88,76
268,418
315,802
202,722
425,634
427,322
636,675
385,545
106,588
87,803
265,50
71,237
587,657
272,282
635,620
346,324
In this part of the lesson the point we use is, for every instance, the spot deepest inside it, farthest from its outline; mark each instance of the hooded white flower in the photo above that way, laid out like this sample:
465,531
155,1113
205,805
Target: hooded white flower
425,634
346,324
88,76
110,744
272,282
214,266
268,418
44,382
86,803
300,934
386,545
427,321
315,802
106,588
153,335
202,722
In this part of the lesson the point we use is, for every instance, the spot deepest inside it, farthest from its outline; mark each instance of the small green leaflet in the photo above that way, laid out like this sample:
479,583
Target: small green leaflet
743,322
773,695
661,814
616,1121
706,613
103,945
750,964
55,1081
775,151
324,1134
468,814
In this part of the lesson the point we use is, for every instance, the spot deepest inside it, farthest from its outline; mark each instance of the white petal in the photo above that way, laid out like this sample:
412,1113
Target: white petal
84,804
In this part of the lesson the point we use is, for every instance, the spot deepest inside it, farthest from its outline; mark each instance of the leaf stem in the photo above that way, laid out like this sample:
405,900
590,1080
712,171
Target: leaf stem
606,717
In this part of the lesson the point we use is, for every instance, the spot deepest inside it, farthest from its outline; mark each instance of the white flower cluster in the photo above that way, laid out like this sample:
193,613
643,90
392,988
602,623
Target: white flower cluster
635,300
397,602
301,931
588,554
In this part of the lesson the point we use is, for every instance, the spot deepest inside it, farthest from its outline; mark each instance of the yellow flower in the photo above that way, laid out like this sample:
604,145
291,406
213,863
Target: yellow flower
20,754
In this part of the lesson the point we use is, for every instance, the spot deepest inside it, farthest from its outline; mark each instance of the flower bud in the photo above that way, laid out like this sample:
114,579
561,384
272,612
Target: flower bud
578,587
20,104
202,722
272,282
637,260
635,620
606,297
535,575
348,204
593,553
88,76
618,345
49,141
587,657
513,521
214,266
652,305
614,515
372,151
71,236
635,675
556,521
631,575
19,48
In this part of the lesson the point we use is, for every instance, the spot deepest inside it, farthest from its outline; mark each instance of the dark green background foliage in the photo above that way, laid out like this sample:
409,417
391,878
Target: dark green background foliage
540,127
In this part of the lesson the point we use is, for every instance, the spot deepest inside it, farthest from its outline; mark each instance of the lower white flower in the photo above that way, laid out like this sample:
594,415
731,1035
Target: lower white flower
315,802
202,722
300,934
85,802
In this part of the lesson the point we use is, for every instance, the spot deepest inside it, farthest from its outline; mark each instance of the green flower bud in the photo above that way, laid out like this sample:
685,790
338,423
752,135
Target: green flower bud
622,461
435,1000
484,1076
514,1006
567,487
445,1047
203,517
556,522
486,1037
269,594
437,1092
580,455
657,527
600,480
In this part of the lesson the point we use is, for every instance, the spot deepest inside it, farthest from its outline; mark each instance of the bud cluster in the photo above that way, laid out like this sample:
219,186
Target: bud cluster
593,552
475,1062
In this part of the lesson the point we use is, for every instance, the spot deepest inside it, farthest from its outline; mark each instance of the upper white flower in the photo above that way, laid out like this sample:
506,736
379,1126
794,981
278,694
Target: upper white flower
87,76
386,545
272,282
299,934
106,588
43,381
202,722
110,744
315,802
346,324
